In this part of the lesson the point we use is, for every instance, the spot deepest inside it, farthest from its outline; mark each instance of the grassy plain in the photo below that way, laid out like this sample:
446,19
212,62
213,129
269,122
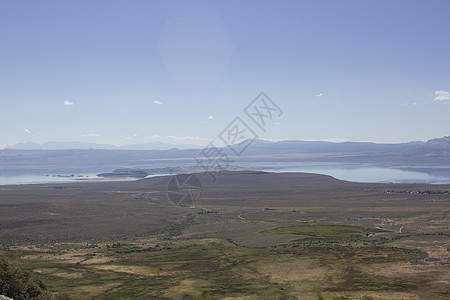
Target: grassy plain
252,235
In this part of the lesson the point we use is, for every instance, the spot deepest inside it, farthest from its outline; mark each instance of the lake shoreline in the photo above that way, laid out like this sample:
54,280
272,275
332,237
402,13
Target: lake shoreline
355,172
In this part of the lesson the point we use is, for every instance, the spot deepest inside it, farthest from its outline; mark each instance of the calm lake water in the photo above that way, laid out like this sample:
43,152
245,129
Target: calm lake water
370,172
344,171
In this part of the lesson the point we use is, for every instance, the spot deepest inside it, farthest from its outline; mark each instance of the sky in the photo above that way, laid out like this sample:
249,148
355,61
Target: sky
128,72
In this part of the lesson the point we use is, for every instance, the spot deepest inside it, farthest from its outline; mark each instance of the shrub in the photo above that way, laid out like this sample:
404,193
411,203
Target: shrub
20,285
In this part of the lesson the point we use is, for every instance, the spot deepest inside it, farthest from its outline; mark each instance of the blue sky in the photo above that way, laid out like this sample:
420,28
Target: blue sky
125,72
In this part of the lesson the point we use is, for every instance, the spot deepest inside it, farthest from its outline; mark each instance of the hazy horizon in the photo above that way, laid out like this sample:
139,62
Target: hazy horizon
60,144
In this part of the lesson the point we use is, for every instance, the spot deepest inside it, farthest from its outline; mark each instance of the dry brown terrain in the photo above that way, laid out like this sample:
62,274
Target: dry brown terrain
251,235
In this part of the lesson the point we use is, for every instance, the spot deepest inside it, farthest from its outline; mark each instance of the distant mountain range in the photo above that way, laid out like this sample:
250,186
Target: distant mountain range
433,152
84,145
257,145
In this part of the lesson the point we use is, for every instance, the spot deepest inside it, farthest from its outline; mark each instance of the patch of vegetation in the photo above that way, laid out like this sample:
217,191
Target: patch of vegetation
335,232
352,279
118,248
178,229
206,269
21,285
214,269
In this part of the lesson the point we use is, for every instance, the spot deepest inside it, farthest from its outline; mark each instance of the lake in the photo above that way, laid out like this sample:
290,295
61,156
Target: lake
370,172
344,171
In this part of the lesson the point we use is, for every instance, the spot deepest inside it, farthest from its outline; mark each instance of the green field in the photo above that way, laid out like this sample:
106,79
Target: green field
214,269
325,231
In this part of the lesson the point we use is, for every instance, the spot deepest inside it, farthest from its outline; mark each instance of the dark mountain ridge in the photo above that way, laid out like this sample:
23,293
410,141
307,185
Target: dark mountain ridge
432,152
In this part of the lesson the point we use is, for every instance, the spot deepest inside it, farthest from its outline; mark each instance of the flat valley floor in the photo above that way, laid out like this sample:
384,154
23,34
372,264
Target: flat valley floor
249,235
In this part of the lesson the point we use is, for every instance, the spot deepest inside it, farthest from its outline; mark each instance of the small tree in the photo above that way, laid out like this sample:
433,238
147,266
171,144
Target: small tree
20,285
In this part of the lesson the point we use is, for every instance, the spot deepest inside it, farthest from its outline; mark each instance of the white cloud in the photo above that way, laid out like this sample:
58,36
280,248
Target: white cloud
319,95
407,104
27,131
68,102
441,95
129,137
153,137
157,102
89,134
125,137
3,146
208,119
